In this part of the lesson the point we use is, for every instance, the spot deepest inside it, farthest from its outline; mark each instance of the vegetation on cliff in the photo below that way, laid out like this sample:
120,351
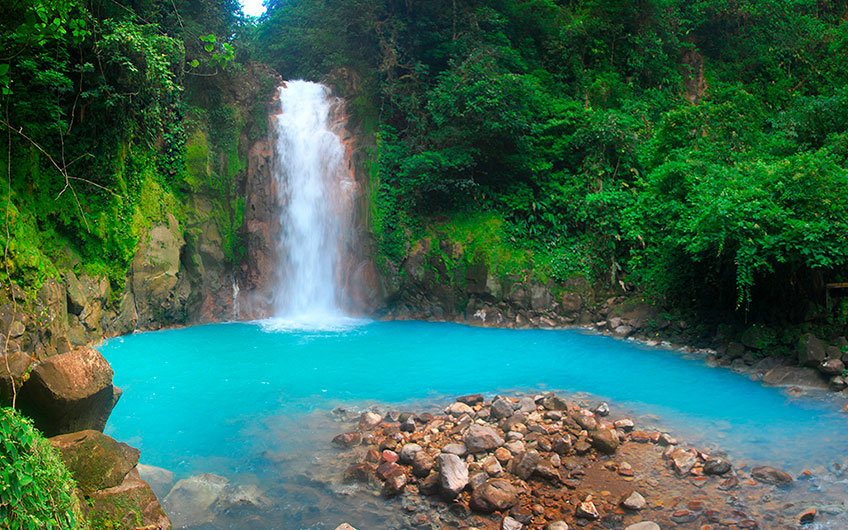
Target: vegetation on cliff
98,102
693,149
36,489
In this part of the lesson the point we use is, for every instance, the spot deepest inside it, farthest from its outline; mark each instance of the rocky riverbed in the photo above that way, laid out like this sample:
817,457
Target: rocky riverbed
541,462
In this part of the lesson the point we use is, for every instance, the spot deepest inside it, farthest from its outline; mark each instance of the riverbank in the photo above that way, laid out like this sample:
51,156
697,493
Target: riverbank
543,462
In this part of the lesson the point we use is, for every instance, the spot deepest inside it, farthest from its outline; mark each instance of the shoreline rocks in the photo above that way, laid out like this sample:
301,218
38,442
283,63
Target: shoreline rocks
542,468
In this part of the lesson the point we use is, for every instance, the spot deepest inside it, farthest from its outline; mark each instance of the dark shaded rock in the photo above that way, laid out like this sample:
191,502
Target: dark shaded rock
838,383
502,408
429,485
553,402
716,466
811,351
70,392
480,438
131,503
95,460
562,444
471,399
807,516
770,475
526,464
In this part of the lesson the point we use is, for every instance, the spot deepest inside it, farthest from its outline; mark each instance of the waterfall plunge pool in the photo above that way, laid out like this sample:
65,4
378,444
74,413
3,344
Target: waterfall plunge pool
252,401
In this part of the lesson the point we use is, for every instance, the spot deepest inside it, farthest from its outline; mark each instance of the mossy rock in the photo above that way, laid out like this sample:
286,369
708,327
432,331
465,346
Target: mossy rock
95,460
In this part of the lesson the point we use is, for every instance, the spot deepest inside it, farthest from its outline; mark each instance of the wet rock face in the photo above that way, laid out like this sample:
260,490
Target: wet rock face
494,495
160,289
70,392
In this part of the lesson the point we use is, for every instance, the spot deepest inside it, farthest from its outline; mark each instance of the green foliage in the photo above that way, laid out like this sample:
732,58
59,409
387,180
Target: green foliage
36,490
696,149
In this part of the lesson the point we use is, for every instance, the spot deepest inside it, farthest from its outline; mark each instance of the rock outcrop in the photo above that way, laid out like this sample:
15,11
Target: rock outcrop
70,392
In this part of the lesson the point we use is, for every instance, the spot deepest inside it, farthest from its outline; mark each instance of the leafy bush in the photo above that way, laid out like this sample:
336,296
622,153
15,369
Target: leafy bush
36,490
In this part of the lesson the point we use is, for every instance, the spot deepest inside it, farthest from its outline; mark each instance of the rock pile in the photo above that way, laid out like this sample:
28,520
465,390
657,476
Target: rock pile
517,462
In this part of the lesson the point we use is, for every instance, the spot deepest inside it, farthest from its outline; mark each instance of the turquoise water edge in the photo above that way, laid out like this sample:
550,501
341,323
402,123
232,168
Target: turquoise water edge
204,395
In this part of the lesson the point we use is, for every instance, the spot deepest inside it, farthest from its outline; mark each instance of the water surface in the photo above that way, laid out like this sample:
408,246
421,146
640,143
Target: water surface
230,398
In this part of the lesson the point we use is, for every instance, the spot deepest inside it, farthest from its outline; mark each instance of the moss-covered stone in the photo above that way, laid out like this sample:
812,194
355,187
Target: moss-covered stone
95,460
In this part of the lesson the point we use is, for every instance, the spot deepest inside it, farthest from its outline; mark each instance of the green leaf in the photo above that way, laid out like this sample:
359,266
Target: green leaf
194,63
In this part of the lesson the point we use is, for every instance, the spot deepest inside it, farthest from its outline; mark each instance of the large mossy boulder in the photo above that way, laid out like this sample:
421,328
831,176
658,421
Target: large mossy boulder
131,505
95,460
70,392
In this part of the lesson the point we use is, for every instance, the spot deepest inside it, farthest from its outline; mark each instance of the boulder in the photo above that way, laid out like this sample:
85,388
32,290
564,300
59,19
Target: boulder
811,351
234,499
494,495
395,483
553,402
132,503
605,441
479,438
770,475
95,460
190,500
716,466
556,525
794,376
70,392
453,475
832,367
502,408
160,480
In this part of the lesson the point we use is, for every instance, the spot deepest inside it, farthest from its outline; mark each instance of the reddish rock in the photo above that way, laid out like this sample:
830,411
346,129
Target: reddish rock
494,495
348,439
70,392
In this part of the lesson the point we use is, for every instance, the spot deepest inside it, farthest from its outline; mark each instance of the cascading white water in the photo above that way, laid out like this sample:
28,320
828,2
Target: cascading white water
314,188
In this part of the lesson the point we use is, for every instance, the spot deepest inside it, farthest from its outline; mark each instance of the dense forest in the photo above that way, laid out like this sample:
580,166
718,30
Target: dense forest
695,151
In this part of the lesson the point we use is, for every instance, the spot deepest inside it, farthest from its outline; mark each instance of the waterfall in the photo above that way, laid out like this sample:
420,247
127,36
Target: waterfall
314,189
